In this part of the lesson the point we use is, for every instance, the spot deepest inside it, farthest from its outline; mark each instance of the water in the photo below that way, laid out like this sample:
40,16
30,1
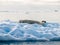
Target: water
31,43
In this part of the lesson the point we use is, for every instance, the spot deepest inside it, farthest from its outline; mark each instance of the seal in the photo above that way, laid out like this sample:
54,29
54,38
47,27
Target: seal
32,22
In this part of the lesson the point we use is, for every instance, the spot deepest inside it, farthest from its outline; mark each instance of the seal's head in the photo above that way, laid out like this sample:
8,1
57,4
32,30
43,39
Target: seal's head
43,21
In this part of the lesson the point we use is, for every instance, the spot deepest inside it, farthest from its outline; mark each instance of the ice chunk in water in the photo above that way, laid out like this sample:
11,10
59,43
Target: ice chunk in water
26,31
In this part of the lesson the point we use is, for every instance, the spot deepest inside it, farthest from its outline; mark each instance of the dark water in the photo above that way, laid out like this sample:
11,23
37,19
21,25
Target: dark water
30,43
